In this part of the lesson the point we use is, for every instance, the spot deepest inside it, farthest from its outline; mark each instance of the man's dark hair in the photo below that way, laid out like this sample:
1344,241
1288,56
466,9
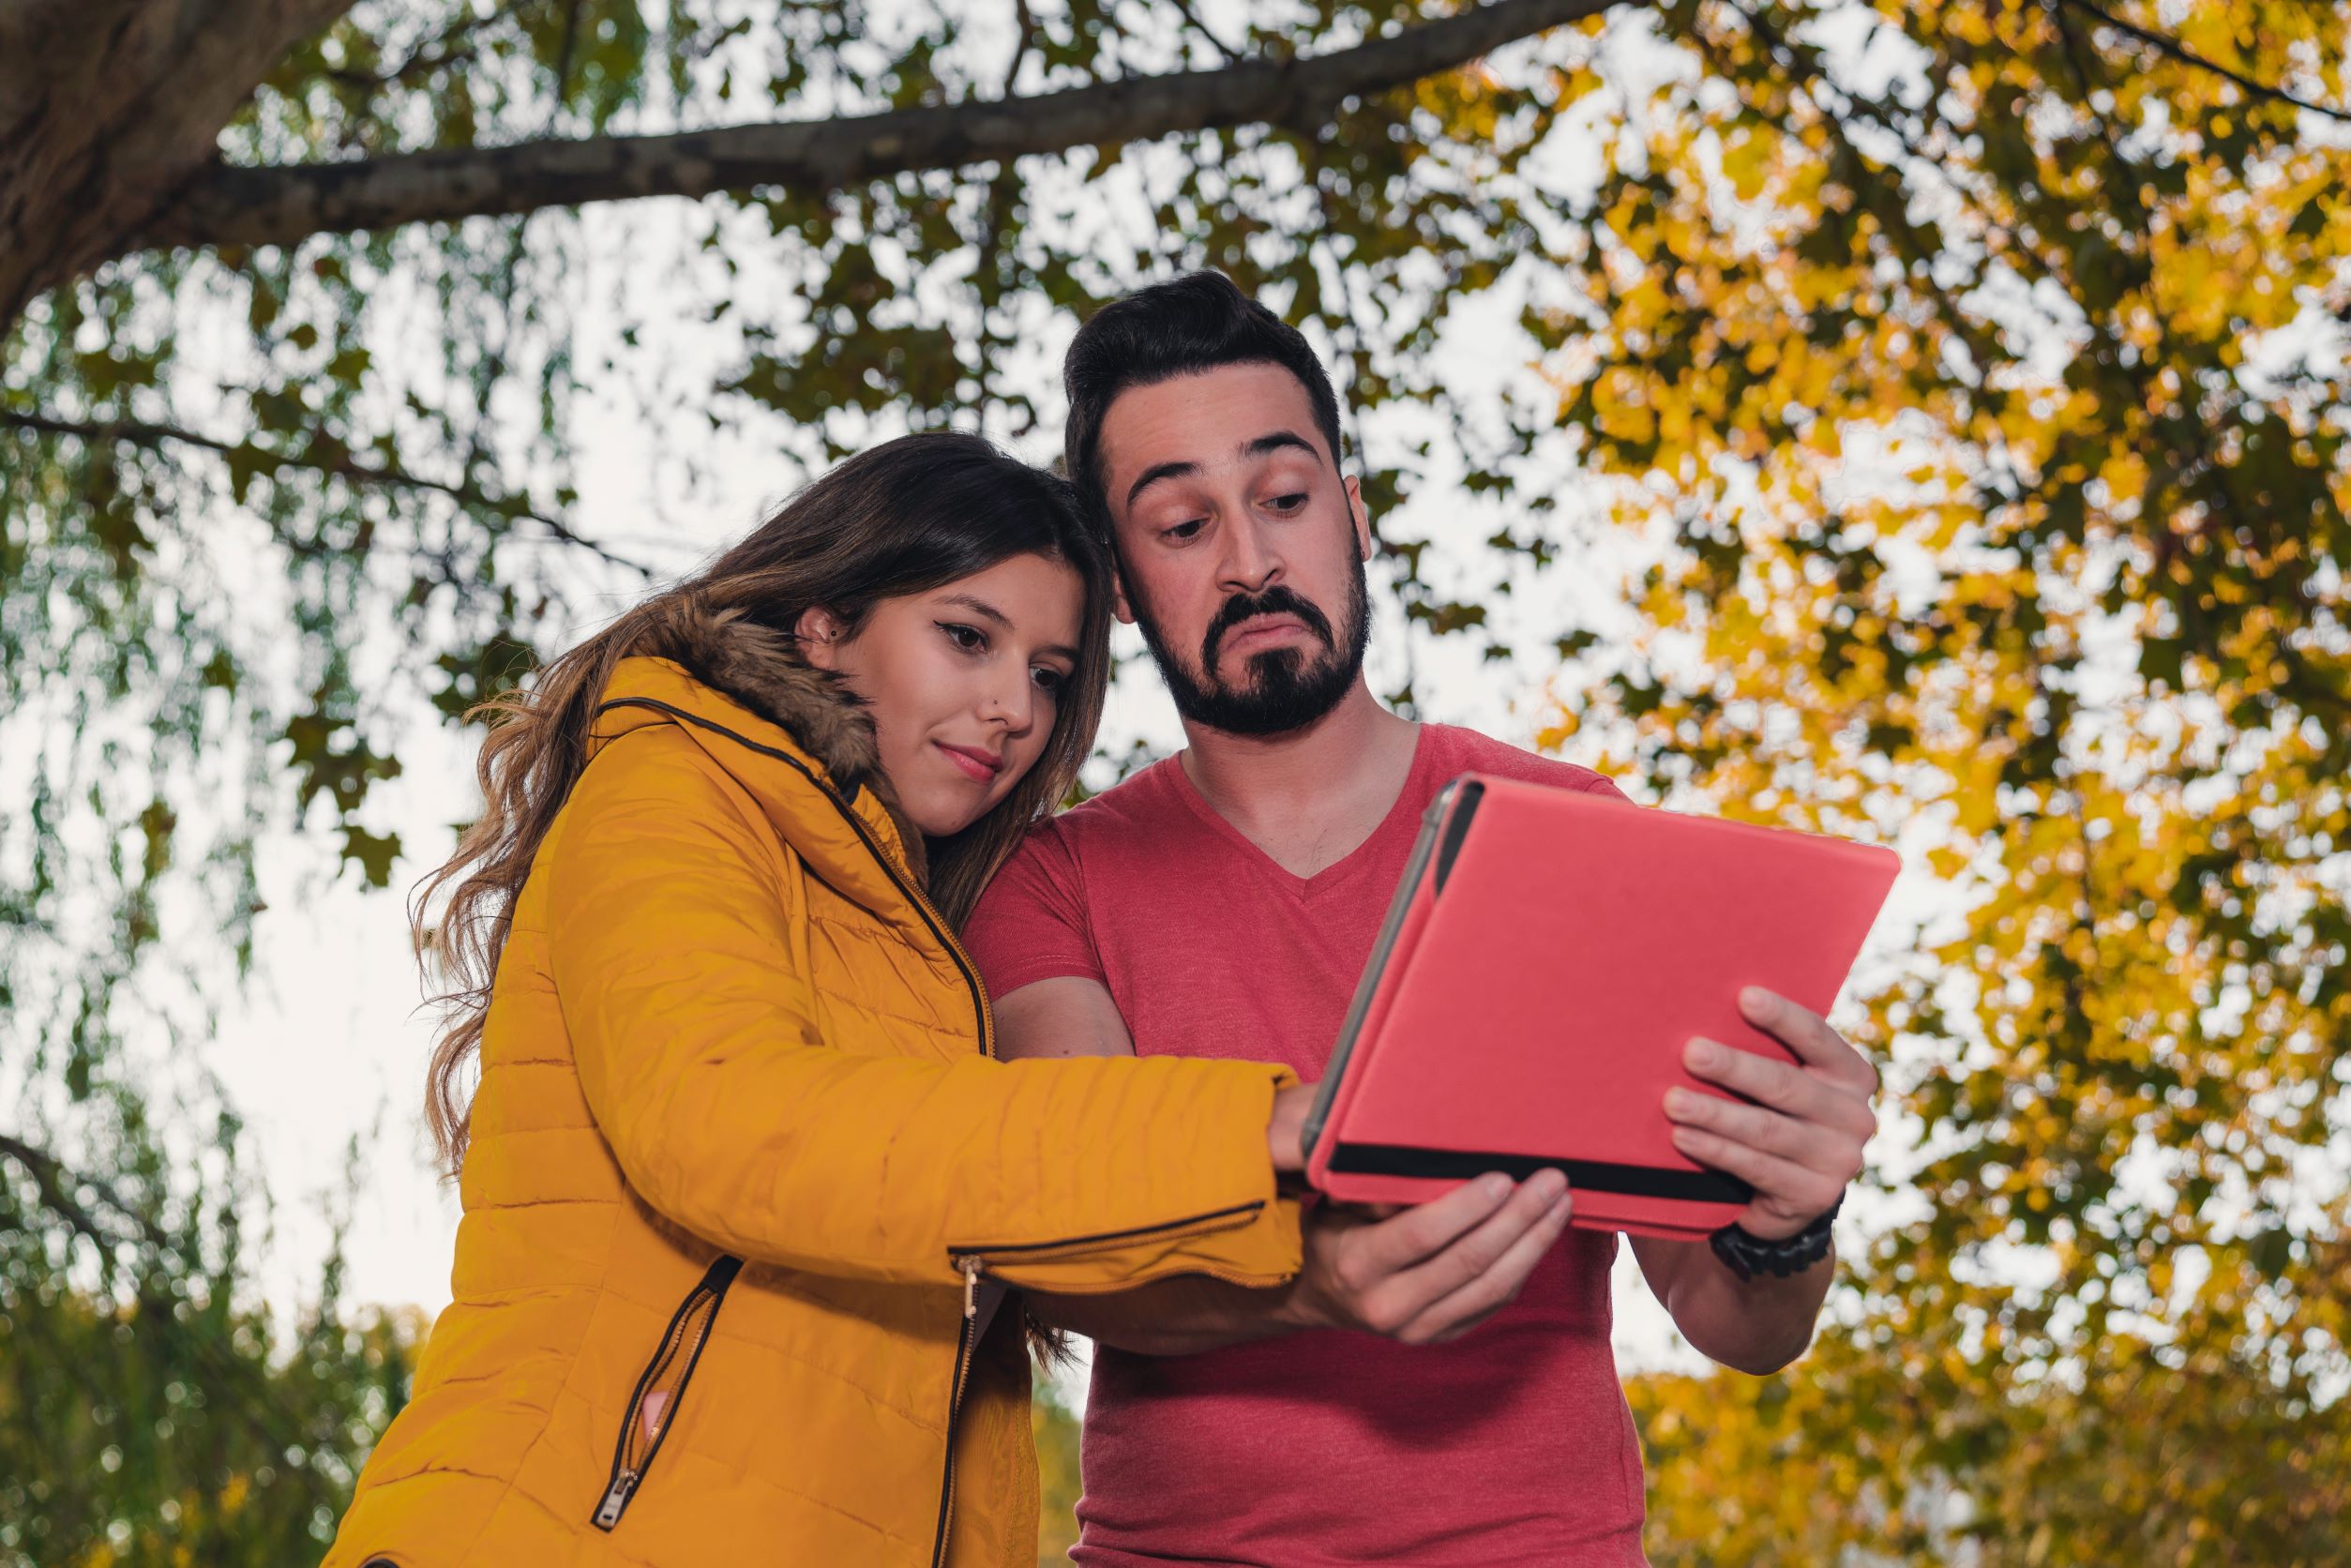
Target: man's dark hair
1198,322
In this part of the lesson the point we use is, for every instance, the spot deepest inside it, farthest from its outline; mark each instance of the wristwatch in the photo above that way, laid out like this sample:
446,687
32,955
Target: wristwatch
1747,1254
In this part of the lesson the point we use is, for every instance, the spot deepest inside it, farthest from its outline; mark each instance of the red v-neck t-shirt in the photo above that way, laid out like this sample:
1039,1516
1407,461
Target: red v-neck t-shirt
1511,1445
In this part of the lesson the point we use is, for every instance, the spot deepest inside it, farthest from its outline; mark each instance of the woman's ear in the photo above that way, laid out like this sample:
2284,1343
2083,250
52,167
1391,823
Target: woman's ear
819,633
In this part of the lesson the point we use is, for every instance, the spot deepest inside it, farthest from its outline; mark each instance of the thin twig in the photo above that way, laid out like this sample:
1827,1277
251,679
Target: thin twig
52,1186
2187,57
1183,8
1023,42
563,59
446,48
139,433
50,1180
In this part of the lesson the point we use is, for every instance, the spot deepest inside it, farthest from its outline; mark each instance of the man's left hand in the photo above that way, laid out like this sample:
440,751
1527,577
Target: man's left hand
1800,1141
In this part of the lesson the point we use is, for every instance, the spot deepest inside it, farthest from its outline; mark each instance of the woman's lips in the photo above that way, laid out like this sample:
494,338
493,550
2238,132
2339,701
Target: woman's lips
978,765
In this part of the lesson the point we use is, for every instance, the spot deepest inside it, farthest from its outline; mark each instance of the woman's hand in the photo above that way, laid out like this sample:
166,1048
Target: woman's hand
1288,1120
1430,1273
1421,1273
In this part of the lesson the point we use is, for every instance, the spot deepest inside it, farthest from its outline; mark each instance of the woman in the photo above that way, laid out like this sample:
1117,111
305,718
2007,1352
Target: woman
741,1183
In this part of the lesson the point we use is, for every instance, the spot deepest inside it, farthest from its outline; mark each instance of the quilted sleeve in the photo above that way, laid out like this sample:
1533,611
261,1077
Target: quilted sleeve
729,1111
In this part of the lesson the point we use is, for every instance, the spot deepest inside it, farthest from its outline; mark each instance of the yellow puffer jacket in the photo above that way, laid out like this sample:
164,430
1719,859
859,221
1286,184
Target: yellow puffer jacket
740,1159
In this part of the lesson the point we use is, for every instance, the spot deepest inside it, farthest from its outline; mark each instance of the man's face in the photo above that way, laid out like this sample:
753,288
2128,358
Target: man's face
1241,550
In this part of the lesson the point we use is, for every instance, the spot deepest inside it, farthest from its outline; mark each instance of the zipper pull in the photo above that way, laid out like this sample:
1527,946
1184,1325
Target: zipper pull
970,1267
607,1513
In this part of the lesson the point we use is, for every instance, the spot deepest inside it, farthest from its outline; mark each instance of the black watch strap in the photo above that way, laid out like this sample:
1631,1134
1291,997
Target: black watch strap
1748,1256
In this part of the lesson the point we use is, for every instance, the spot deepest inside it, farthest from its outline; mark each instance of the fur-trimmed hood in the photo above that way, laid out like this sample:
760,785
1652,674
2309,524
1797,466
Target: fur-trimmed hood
760,668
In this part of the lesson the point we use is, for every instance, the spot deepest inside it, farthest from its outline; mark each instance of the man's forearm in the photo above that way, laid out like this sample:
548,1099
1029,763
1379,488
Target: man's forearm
1756,1325
1173,1317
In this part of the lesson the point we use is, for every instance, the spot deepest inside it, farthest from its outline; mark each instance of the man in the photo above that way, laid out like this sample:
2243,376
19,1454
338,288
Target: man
1222,903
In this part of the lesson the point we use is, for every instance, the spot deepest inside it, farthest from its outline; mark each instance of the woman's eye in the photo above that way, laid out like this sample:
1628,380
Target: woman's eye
970,638
1184,530
1049,679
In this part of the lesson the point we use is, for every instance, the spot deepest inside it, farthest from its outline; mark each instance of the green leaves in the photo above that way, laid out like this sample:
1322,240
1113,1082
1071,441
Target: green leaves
328,758
373,854
1967,380
166,1416
474,675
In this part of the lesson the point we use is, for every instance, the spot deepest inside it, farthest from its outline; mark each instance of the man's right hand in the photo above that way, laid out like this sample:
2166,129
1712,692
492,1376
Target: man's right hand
1431,1273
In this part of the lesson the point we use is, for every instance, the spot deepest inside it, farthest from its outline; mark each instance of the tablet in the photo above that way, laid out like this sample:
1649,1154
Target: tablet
1547,955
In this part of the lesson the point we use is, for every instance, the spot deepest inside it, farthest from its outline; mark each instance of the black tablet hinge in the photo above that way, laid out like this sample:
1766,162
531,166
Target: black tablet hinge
1456,829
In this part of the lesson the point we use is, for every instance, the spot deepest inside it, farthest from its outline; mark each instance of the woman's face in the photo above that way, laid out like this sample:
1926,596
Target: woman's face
963,681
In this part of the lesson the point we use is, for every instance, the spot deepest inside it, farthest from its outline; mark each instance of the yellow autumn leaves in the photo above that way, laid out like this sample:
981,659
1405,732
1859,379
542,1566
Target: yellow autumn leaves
1981,371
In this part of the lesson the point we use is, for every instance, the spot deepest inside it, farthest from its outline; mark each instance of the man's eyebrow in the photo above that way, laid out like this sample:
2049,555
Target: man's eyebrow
1272,441
1157,472
1276,440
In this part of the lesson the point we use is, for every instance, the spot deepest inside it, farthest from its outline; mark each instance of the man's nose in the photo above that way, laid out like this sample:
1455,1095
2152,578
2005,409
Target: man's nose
1251,564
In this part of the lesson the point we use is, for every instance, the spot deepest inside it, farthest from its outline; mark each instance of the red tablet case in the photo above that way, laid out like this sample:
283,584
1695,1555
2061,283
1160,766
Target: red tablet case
1547,957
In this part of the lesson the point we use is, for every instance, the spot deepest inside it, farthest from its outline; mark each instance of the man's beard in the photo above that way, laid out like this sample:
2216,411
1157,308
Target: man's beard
1280,689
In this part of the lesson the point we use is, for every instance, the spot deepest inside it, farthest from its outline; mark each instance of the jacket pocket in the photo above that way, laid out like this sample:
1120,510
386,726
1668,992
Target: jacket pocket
653,1407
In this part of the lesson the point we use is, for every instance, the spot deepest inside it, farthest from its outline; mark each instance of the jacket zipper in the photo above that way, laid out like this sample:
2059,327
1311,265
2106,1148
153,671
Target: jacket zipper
971,1262
1044,1251
616,1496
970,1269
653,1408
966,1260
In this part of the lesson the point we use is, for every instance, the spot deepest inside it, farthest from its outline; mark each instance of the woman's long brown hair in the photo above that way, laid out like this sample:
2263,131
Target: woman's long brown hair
909,517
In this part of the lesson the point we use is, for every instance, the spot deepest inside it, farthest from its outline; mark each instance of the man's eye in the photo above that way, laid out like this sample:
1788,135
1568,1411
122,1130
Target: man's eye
1288,503
970,638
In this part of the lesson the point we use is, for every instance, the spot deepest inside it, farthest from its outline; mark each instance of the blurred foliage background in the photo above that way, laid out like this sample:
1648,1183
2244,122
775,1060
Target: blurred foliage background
1958,388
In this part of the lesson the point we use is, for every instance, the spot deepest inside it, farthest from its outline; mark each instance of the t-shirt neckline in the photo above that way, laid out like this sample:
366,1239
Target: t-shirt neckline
1340,869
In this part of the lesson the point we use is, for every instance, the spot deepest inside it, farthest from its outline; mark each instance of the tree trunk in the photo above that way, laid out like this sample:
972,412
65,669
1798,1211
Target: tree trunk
107,107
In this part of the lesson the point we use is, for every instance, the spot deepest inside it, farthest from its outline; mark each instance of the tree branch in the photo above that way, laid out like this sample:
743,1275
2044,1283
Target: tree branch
280,206
335,460
261,1406
55,1185
1024,39
563,58
457,41
1231,56
2187,57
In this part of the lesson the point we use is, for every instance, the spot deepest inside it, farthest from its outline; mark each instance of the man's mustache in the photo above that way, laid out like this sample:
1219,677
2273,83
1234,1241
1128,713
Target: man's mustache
1276,600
